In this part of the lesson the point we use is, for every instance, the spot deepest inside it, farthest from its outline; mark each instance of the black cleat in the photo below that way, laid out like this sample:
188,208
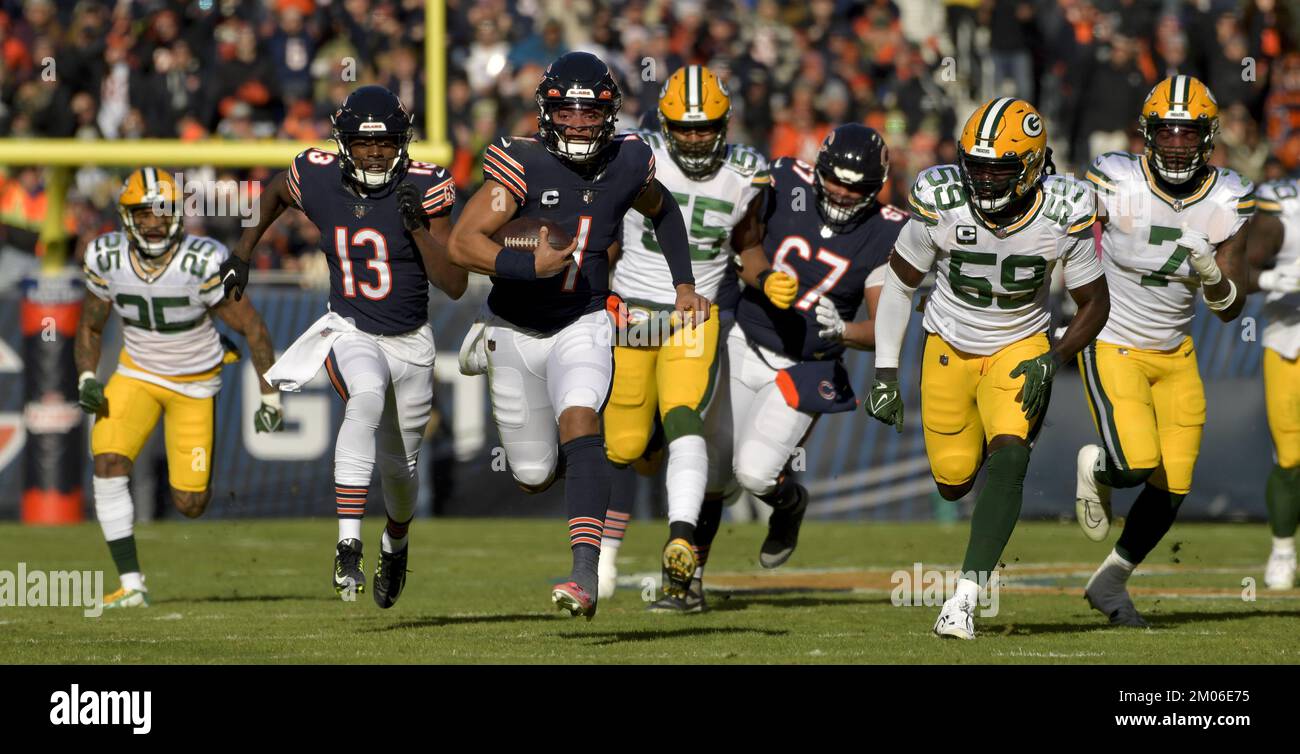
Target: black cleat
693,602
349,576
390,577
783,531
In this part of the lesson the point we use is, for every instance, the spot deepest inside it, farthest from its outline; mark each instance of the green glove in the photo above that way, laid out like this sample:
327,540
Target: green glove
885,403
1038,379
270,417
91,394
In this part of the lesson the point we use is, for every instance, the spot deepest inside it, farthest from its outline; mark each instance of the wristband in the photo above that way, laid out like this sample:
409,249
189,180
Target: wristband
81,378
272,400
515,265
1226,301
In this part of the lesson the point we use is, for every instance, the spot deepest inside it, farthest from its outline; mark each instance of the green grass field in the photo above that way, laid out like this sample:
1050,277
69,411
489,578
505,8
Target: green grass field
258,592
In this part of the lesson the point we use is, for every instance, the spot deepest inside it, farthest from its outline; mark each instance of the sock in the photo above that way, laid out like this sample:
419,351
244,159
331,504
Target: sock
586,496
622,496
1282,495
1284,545
682,530
116,515
688,472
1118,564
1149,520
996,511
1116,478
394,536
707,529
783,496
351,509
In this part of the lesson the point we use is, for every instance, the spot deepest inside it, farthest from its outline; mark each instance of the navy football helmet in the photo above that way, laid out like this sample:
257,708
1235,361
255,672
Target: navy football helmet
372,112
577,80
856,157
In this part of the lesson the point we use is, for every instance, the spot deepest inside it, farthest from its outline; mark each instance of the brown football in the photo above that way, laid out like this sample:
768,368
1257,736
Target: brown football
521,234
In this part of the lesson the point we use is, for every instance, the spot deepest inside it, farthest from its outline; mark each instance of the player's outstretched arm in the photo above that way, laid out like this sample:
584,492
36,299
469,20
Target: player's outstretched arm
1265,234
658,204
471,245
271,203
893,312
85,351
432,243
240,315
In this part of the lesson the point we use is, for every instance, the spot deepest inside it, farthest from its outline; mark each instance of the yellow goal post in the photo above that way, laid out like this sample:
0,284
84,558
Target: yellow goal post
61,156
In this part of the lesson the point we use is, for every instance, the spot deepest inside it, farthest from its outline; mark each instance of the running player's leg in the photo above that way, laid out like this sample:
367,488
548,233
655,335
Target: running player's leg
189,425
521,404
359,370
950,417
629,422
116,439
1282,492
579,369
721,485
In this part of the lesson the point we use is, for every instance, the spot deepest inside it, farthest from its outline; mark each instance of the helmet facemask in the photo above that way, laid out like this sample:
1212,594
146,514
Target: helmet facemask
576,143
1172,153
378,176
993,183
837,208
169,213
701,156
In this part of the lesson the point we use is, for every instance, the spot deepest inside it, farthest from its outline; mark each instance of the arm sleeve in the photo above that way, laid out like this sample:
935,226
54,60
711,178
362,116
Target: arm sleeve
892,315
670,231
211,291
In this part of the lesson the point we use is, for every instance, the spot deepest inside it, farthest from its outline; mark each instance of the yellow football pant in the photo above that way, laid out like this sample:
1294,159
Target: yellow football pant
967,400
188,425
676,378
1149,407
1282,400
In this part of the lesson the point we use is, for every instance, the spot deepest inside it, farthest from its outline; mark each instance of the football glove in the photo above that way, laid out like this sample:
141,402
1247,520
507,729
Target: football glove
90,394
1281,280
885,403
1202,255
832,324
234,276
779,288
410,206
1038,377
270,417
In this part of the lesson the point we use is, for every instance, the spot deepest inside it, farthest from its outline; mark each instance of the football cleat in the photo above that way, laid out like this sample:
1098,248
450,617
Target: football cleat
578,601
783,531
1107,593
679,567
607,573
1280,571
349,573
1091,498
956,619
693,602
126,598
390,577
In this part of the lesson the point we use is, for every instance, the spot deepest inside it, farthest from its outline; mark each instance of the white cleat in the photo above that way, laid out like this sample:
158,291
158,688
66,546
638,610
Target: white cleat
473,352
607,574
1280,571
1091,498
1107,592
956,620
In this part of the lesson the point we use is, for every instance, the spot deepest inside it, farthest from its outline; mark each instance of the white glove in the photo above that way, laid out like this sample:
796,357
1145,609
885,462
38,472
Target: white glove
473,352
829,318
1202,255
1281,280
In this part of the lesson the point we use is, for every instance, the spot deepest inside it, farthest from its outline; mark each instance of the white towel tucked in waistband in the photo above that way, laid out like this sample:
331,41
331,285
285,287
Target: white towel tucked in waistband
298,365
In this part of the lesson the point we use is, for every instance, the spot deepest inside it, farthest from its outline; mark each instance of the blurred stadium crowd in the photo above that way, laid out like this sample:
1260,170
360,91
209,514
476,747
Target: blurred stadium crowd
912,69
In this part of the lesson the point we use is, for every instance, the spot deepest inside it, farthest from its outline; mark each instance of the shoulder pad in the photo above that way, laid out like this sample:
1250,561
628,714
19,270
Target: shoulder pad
1070,202
937,189
1274,197
1111,168
504,162
744,160
1237,191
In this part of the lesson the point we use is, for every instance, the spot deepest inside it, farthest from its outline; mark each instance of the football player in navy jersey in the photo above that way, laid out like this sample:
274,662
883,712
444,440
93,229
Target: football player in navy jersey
548,335
815,251
384,222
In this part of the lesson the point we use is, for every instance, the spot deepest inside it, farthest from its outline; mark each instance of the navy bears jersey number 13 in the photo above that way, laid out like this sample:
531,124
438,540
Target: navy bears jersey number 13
377,276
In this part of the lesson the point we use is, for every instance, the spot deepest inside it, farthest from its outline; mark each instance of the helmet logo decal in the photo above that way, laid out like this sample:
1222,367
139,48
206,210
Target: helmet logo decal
575,92
553,93
373,126
1032,124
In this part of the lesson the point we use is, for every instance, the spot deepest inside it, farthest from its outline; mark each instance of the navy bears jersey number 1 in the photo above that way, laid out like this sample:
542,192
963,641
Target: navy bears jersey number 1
590,208
377,276
797,243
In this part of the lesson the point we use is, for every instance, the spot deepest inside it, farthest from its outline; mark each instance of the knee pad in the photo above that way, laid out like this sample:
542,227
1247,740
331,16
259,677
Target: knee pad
624,447
755,481
534,478
364,407
953,470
